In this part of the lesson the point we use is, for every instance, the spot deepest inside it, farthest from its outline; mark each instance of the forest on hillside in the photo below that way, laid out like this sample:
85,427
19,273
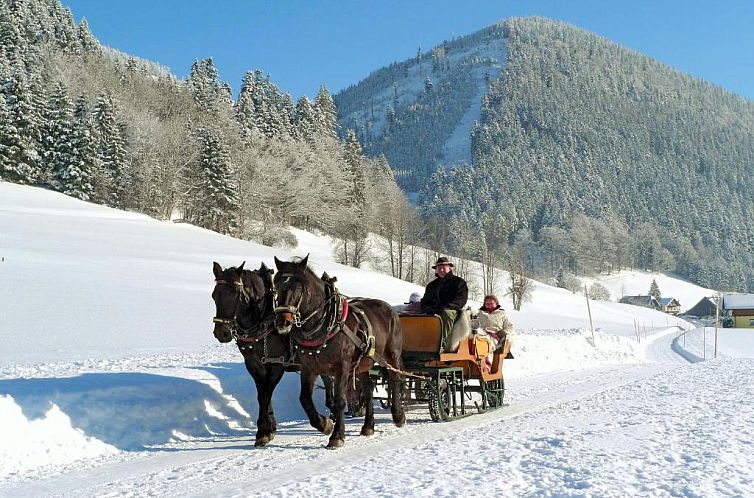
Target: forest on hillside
579,126
586,156
103,126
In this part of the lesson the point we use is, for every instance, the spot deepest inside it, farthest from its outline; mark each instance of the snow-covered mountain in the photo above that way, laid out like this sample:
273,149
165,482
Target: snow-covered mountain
111,382
420,111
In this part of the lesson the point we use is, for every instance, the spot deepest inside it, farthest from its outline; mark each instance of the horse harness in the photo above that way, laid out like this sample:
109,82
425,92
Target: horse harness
335,310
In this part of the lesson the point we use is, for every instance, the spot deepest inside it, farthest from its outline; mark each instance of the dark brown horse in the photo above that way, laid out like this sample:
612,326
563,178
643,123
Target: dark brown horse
244,304
337,337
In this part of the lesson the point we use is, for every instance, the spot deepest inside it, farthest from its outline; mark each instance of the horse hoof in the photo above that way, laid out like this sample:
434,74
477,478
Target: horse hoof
335,444
367,431
327,429
263,440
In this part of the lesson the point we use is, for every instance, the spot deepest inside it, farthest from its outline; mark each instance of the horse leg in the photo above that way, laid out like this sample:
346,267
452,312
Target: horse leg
322,424
267,429
329,395
396,399
338,435
259,374
367,393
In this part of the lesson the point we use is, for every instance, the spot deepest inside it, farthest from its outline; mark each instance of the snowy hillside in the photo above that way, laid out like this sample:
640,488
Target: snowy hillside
442,89
112,383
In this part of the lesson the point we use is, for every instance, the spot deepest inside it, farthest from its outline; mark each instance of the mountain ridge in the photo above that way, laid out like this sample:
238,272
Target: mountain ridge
577,125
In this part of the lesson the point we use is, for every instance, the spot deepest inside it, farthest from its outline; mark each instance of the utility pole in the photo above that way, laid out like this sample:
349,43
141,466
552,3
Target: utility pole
717,320
589,310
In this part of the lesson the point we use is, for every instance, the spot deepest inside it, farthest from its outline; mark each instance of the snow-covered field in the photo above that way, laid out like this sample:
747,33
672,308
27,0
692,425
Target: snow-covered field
111,383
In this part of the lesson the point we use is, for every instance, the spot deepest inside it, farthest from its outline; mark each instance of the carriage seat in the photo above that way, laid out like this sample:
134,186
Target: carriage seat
422,333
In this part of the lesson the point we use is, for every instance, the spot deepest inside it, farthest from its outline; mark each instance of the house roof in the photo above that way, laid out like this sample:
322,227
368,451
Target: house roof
667,301
738,301
705,307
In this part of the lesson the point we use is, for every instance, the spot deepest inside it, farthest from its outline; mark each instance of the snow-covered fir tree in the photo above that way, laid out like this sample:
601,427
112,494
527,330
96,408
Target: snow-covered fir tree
86,39
353,158
24,121
218,186
57,148
560,279
78,180
654,290
326,114
245,107
114,185
306,120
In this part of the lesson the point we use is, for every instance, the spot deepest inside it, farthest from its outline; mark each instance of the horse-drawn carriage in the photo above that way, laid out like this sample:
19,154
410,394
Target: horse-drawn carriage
453,384
298,317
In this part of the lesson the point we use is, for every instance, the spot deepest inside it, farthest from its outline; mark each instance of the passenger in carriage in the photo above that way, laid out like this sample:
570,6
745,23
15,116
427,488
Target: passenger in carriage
414,304
494,322
445,296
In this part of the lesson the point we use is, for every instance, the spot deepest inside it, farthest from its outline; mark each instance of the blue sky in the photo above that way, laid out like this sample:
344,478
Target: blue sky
305,43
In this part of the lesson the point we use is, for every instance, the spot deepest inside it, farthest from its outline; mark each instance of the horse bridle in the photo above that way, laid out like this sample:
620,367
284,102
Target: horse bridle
244,298
292,312
295,314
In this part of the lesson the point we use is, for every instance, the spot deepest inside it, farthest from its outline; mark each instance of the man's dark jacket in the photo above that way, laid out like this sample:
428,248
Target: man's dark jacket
450,292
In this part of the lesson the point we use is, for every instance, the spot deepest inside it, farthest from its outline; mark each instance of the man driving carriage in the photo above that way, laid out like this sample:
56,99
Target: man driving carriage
445,296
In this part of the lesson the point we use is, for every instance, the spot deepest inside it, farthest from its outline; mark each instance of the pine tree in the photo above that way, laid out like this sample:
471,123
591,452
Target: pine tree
306,121
86,39
57,135
428,84
289,117
79,179
10,145
220,203
12,43
23,131
65,29
355,169
352,228
273,121
115,184
7,139
205,85
654,290
245,106
326,114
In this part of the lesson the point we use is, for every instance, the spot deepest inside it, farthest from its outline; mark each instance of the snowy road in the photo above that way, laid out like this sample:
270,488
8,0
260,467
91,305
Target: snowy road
233,467
641,429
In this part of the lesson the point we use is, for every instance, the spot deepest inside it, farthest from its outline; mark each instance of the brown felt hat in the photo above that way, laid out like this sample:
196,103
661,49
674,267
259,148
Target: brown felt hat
442,260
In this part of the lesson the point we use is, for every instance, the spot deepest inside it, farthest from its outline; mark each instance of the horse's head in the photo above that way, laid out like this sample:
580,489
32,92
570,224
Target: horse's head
290,284
240,299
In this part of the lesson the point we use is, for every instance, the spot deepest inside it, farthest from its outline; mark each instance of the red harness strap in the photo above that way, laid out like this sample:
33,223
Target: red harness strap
318,342
345,310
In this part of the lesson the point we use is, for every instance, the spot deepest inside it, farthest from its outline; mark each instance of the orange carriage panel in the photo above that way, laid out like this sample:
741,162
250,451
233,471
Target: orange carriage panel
421,333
